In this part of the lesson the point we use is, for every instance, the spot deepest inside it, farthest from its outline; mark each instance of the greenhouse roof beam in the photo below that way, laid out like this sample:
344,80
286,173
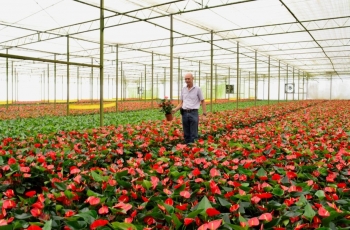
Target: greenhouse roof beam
80,27
308,31
45,60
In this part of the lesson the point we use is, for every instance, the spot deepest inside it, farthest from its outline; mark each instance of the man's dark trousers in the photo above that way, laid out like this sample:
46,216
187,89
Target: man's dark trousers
190,125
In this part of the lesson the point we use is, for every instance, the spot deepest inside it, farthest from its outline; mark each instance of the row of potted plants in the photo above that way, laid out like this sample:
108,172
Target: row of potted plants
253,168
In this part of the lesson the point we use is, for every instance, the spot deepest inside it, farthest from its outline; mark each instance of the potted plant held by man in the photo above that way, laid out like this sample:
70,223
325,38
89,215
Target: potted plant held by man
166,107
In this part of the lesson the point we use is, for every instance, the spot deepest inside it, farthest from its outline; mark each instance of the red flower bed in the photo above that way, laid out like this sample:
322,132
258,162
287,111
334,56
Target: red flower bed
284,166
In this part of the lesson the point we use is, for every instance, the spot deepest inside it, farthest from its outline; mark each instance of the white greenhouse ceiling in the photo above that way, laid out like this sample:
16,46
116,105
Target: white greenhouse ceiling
308,37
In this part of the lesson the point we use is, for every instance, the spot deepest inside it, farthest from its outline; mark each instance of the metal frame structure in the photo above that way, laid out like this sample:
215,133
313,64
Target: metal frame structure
299,41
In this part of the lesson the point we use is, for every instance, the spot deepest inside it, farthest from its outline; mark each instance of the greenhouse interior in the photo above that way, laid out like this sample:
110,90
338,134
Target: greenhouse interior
84,145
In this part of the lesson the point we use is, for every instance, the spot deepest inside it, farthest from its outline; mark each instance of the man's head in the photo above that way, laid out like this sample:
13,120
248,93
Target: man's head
189,79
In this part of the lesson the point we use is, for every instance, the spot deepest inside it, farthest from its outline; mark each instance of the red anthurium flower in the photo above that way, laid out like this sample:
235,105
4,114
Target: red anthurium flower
212,212
185,194
34,227
36,212
255,199
266,217
278,228
123,198
154,181
169,201
24,169
301,226
291,175
234,207
98,223
276,177
93,200
9,204
128,220
265,195
214,172
253,222
196,172
214,187
9,193
38,205
213,225
323,212
182,207
125,207
203,227
11,161
3,222
74,170
149,220
69,213
103,210
341,185
30,193
187,221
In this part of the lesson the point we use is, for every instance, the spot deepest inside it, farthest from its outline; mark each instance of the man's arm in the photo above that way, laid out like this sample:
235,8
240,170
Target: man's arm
177,107
204,107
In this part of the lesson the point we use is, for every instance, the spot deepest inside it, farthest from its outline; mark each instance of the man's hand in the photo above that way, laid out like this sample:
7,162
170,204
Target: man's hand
173,111
205,113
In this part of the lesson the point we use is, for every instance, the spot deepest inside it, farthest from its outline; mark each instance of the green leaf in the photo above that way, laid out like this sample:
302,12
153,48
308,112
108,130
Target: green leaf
97,177
92,193
48,225
146,184
169,209
320,194
6,227
124,184
1,161
261,172
309,212
333,215
121,174
194,213
123,226
89,216
302,201
176,220
22,216
242,219
61,186
204,204
278,192
68,194
224,202
77,225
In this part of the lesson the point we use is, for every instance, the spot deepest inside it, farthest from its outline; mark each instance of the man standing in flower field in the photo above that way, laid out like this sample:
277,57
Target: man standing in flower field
190,100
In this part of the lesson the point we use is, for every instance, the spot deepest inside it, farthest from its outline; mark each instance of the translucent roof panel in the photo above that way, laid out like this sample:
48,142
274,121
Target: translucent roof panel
308,35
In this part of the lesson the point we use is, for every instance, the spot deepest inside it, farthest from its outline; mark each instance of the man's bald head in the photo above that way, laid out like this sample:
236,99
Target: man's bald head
189,79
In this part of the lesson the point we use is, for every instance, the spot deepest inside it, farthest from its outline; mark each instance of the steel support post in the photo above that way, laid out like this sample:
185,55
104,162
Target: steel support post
152,72
178,80
7,80
237,96
216,82
116,76
256,76
171,56
285,92
55,82
145,82
67,75
77,83
102,24
199,74
330,88
229,82
268,82
279,81
293,84
92,81
211,69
